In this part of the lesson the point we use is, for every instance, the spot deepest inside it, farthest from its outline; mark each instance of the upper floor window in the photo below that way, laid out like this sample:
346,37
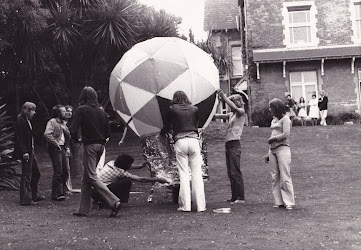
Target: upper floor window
357,21
237,60
300,24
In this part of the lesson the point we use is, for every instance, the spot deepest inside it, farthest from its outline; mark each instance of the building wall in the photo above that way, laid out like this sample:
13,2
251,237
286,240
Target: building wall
339,84
265,27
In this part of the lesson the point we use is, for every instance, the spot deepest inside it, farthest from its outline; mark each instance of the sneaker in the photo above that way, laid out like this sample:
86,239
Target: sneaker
60,198
238,202
278,206
181,210
39,198
289,207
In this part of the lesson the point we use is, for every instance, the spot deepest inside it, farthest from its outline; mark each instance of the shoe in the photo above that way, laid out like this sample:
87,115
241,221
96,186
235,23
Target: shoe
238,202
181,210
289,207
59,198
230,200
278,206
201,211
115,209
80,214
29,204
39,198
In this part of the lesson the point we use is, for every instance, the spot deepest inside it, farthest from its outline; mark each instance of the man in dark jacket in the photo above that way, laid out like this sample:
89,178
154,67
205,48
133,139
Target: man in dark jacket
322,105
24,150
90,126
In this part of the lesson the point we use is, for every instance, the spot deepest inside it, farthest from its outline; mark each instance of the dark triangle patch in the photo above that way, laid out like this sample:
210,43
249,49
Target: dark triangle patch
153,75
150,114
164,105
205,108
119,101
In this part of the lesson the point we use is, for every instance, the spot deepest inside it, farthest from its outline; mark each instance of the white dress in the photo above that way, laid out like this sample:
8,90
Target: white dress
302,112
314,111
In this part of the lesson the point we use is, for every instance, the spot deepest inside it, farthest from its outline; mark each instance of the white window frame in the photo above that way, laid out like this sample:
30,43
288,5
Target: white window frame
303,84
286,24
234,45
354,37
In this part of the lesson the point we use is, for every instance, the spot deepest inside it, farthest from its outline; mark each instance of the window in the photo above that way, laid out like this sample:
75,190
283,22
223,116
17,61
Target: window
237,60
303,84
357,21
299,19
299,26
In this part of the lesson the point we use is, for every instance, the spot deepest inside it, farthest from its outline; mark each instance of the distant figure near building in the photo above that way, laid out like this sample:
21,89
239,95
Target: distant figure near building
24,150
322,105
290,106
314,113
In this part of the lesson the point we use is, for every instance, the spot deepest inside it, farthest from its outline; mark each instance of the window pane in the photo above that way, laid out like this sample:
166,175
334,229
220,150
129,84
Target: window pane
295,77
300,35
237,61
299,17
358,29
310,90
296,92
309,76
358,11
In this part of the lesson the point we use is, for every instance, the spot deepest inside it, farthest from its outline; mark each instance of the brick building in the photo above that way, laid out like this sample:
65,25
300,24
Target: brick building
301,47
222,20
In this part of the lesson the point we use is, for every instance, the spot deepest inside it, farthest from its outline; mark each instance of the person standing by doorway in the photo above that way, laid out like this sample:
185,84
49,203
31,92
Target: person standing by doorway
322,105
236,120
24,150
91,121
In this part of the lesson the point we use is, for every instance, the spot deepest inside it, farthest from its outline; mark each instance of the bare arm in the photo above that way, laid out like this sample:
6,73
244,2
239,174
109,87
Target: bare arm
233,107
147,179
221,116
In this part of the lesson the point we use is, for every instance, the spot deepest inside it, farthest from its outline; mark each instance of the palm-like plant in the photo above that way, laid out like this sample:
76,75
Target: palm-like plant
8,176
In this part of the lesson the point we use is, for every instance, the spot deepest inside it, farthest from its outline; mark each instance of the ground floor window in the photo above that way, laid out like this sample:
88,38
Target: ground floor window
303,84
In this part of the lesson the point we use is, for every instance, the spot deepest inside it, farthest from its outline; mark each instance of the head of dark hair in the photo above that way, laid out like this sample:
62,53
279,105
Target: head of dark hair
180,97
313,95
277,107
289,95
302,100
56,111
124,161
88,96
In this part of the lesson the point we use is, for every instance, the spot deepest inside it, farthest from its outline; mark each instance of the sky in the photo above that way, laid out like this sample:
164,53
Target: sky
191,12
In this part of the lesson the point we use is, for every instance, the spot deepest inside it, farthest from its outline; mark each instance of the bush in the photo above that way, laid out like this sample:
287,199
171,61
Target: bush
261,117
343,117
8,176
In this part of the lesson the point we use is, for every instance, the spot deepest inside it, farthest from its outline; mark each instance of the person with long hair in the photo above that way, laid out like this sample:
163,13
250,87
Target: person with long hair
236,120
314,113
302,113
24,150
58,137
279,156
92,123
182,119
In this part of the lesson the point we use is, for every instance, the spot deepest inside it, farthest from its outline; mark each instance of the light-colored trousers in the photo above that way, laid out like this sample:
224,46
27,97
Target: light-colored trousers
282,187
92,154
188,155
323,114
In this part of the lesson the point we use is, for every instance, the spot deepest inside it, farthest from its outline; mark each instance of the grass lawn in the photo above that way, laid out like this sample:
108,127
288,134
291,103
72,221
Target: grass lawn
326,172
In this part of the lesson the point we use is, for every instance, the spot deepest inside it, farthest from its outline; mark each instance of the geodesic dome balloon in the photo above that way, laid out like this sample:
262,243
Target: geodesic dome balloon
142,84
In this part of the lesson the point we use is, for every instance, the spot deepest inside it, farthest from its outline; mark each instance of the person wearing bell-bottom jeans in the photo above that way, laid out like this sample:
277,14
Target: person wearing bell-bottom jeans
282,187
182,119
279,156
188,155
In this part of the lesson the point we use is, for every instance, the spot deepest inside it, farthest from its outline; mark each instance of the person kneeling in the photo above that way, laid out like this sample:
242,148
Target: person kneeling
114,174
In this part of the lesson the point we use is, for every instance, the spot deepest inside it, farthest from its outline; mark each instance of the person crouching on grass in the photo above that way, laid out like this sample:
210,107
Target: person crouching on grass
58,137
236,120
279,156
118,180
